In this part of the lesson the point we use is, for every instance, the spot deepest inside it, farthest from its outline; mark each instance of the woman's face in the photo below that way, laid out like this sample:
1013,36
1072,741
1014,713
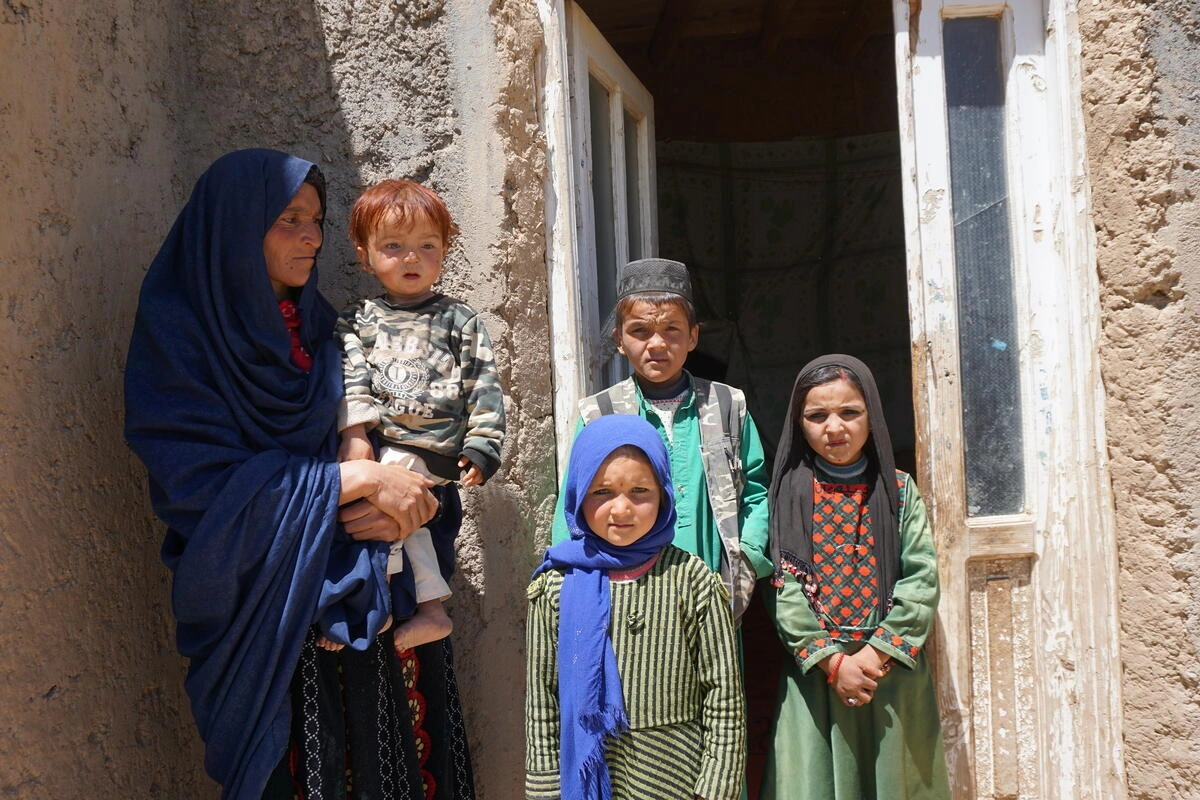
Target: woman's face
835,421
621,504
290,246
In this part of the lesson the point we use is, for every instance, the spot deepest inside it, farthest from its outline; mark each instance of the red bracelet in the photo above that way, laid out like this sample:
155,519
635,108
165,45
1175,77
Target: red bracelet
837,662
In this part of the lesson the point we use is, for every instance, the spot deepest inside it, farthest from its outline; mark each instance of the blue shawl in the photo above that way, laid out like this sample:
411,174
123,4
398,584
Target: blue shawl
240,445
591,707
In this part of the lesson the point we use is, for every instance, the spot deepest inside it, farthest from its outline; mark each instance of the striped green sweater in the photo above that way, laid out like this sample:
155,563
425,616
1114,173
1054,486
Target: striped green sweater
674,640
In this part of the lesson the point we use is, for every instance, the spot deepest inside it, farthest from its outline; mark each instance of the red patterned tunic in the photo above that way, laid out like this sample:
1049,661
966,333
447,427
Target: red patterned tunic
891,747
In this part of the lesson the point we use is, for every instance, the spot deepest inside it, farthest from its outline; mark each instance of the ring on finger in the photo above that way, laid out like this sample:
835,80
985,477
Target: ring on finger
851,701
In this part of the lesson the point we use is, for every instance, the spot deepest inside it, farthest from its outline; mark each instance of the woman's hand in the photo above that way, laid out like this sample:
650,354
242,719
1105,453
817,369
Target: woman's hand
399,493
405,497
365,522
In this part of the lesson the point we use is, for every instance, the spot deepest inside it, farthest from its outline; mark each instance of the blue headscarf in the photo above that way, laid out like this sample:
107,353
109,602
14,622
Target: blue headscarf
591,707
240,444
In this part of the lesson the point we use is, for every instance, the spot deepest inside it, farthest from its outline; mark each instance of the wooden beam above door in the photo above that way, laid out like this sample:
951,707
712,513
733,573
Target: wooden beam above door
640,25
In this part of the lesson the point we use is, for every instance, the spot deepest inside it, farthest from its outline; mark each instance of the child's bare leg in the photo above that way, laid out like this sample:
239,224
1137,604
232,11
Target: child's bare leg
429,624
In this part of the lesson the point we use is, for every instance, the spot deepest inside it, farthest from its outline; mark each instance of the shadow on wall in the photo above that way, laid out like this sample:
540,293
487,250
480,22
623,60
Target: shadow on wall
258,75
364,91
104,144
361,90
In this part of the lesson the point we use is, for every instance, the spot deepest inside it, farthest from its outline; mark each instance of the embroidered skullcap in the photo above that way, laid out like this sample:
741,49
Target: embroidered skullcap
655,275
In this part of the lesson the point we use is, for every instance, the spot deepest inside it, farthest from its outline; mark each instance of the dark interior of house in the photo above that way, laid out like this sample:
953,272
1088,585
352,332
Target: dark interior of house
779,185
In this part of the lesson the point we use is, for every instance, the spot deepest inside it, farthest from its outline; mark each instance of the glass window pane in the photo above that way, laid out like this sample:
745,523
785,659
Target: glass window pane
602,197
991,385
633,195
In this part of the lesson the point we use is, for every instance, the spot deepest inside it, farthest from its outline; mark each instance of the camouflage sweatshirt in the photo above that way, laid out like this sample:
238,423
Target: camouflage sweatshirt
424,378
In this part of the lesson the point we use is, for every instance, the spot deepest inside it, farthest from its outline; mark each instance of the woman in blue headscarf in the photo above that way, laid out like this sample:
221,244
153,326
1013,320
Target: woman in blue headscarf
633,686
232,386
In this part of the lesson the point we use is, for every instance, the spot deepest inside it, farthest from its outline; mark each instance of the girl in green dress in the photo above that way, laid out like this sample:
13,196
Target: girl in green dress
856,590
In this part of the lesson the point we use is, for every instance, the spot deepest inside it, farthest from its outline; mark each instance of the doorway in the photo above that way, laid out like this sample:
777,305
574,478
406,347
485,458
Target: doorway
779,185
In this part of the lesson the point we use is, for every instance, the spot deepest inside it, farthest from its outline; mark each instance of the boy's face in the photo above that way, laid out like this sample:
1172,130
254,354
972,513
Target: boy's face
656,339
407,260
621,505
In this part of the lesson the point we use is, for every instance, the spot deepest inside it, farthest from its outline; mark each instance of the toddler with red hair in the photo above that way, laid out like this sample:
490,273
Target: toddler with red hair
421,383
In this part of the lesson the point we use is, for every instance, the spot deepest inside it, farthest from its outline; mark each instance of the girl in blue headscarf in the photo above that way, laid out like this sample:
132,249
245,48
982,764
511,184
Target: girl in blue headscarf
633,684
232,388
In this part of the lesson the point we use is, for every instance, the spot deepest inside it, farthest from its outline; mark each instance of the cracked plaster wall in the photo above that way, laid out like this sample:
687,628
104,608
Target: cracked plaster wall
1142,109
108,113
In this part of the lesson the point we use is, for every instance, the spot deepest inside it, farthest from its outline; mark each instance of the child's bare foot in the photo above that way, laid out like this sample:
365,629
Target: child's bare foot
328,644
332,646
430,624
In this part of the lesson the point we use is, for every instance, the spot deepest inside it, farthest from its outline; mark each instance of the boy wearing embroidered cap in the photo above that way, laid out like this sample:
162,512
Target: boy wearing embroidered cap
716,454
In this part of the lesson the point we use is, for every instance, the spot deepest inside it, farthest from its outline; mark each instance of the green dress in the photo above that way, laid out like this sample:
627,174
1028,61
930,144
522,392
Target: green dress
822,749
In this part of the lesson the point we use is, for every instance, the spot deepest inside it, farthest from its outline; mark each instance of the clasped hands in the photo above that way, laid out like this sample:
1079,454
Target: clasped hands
401,504
856,676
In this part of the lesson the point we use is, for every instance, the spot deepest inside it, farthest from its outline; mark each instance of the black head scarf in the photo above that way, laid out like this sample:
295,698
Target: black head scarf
792,481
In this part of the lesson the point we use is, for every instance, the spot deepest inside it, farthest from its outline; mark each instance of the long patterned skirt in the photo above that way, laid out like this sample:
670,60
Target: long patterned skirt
375,725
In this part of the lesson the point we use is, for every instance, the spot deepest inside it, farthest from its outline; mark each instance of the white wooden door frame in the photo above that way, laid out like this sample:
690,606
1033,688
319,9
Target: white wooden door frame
562,244
1044,723
591,56
573,50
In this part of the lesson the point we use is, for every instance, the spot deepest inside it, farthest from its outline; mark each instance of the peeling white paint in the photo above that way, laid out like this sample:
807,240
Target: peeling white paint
1029,69
931,202
1066,725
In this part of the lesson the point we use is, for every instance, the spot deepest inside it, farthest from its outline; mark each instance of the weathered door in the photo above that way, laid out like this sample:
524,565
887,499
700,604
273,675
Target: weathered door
1003,305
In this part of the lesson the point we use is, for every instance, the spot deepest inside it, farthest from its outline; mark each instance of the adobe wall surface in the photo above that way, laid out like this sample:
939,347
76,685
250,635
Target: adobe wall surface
91,704
1142,110
102,143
